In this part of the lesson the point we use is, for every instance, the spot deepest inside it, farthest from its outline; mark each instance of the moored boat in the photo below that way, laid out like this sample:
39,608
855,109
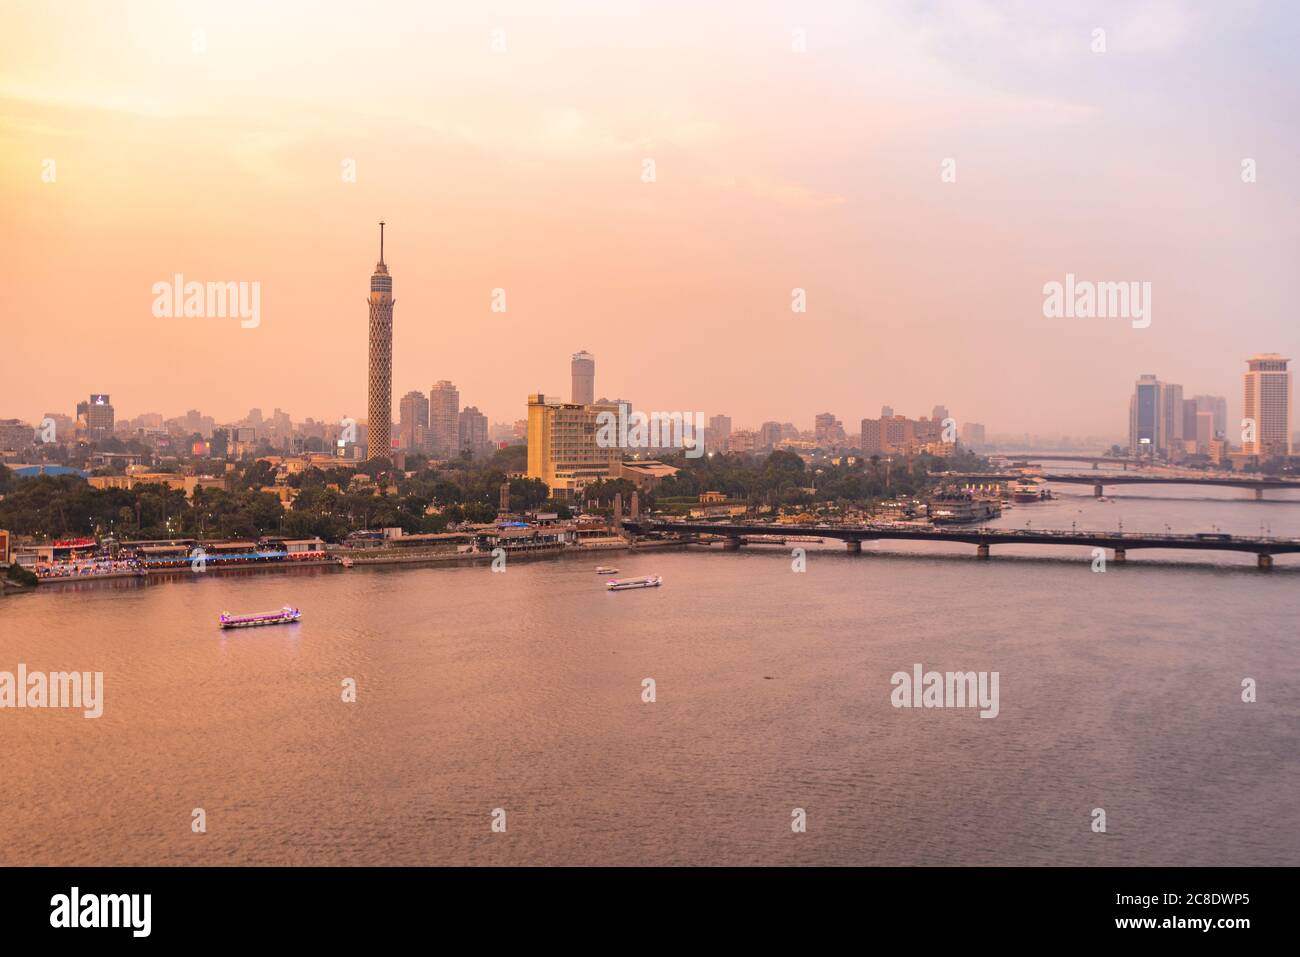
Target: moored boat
282,616
1025,492
606,570
623,584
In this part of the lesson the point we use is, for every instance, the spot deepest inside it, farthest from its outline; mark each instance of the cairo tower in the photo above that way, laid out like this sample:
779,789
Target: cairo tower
380,413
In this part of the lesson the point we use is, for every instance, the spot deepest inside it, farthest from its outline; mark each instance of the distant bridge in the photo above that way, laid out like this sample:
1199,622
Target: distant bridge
1096,460
1120,543
1258,485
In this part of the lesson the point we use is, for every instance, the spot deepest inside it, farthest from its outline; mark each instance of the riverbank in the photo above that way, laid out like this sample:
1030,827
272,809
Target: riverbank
361,558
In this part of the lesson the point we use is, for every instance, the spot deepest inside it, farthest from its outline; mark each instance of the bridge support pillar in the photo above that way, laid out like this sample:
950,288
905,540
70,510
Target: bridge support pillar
1259,497
1265,562
731,545
981,551
1097,490
853,547
1120,556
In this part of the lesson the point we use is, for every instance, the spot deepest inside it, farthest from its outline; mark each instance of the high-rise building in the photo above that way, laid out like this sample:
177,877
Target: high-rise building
413,421
563,450
16,435
769,434
444,419
95,417
870,437
1205,431
584,378
717,433
898,434
473,431
886,411
1267,404
828,431
380,409
1171,408
939,413
972,435
1145,418
1218,406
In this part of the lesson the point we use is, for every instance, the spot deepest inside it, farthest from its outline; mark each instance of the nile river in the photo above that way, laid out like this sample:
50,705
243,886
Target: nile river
522,691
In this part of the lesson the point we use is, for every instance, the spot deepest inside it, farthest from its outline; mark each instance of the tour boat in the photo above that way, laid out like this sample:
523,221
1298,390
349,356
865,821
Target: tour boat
623,584
606,570
1026,492
282,616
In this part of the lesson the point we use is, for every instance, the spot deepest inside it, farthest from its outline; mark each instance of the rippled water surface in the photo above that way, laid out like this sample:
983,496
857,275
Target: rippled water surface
523,691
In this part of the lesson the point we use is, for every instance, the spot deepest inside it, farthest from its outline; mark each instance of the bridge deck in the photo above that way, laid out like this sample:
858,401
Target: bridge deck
985,536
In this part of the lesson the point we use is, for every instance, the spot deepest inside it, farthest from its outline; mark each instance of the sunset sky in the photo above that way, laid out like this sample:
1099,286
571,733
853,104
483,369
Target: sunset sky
209,139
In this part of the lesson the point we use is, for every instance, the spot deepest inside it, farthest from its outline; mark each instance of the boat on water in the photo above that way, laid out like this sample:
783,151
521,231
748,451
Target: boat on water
606,570
624,584
961,508
282,616
345,562
1024,492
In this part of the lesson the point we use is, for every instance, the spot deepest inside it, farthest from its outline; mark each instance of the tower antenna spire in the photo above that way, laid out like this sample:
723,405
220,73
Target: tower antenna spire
381,240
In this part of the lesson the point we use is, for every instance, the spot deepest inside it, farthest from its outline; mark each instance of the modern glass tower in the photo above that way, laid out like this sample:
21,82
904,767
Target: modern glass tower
380,412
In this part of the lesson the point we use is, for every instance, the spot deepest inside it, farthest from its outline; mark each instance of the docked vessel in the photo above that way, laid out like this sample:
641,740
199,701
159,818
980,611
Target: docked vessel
606,570
1028,492
961,508
282,616
623,584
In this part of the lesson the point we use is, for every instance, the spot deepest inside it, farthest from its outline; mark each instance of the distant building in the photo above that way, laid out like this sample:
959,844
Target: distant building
1146,419
583,369
1218,406
562,447
828,431
16,436
717,433
742,440
645,474
413,421
869,441
472,430
769,435
95,417
972,435
1267,403
1171,408
444,420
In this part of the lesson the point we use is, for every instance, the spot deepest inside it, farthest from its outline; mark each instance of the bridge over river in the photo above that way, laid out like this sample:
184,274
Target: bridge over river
1098,482
1120,543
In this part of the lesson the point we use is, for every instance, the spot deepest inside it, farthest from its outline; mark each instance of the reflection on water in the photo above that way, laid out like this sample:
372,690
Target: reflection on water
522,691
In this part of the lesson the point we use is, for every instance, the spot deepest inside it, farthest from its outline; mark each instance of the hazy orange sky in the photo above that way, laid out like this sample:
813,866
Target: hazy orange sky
209,139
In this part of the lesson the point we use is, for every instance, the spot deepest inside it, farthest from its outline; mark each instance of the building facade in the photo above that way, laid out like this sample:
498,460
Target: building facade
1267,404
413,421
444,419
562,447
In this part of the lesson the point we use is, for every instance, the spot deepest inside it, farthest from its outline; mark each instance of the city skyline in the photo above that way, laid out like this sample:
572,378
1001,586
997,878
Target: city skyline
916,287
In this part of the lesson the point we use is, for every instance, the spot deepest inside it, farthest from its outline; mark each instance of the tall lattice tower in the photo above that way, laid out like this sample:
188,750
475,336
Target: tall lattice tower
380,425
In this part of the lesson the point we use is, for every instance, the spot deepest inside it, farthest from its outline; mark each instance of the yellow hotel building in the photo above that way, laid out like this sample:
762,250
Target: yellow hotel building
562,449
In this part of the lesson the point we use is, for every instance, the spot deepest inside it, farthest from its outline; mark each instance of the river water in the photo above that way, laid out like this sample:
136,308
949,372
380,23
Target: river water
523,691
